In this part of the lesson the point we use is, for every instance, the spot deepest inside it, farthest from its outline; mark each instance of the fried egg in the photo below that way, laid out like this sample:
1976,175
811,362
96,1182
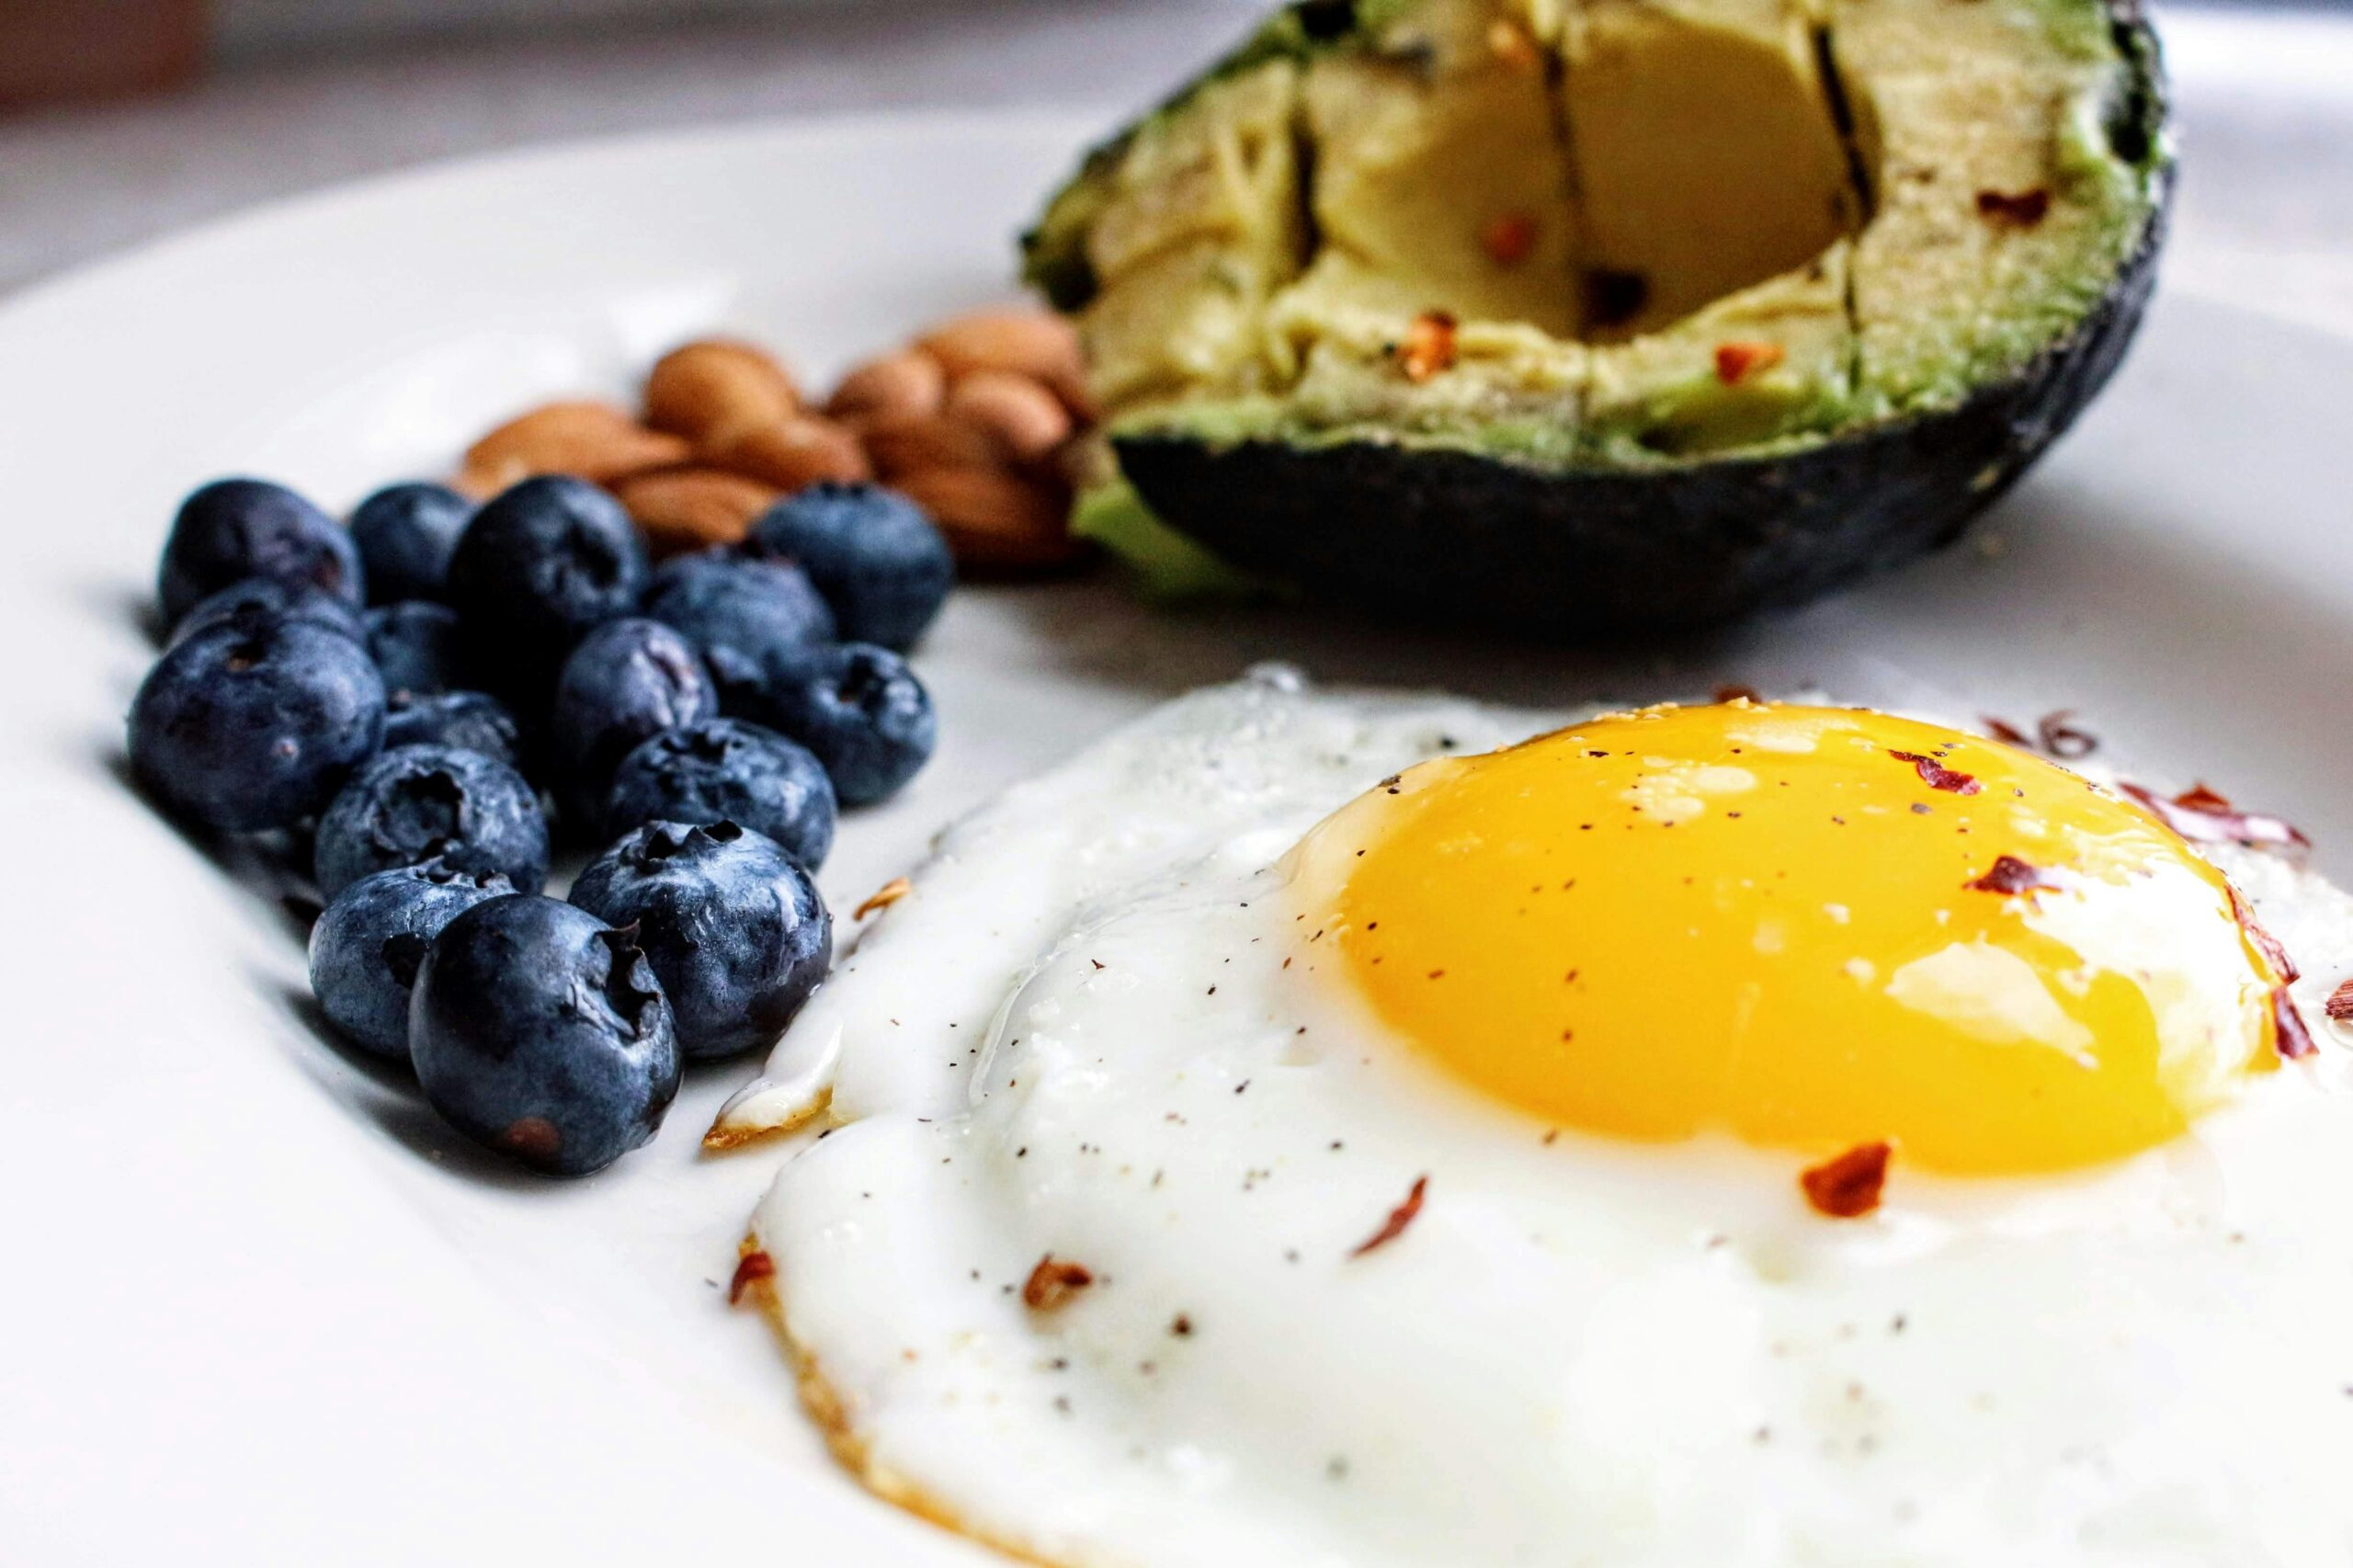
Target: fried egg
1327,1129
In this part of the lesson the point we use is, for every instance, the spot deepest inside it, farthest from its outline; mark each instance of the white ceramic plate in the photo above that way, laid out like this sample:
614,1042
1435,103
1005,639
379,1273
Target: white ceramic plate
259,1308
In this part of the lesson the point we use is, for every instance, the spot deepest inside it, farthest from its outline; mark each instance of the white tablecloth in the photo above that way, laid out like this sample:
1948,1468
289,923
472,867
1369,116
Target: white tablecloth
2265,111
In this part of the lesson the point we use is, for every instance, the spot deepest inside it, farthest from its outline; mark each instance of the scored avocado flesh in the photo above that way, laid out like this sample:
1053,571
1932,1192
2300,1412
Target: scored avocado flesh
1661,230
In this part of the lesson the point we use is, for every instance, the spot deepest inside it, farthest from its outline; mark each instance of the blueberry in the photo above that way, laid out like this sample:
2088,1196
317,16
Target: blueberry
405,533
858,707
246,727
539,1032
236,529
419,647
628,681
415,804
539,567
870,551
470,721
257,599
721,770
731,924
366,947
740,611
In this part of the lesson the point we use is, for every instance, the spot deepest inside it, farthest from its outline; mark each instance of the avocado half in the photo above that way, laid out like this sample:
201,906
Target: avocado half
1583,317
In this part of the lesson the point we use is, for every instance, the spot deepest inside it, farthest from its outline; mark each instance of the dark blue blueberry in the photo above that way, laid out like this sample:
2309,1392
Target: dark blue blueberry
257,599
236,529
366,947
538,1031
470,721
405,533
721,770
870,551
628,681
246,727
731,924
740,611
419,647
417,803
858,707
538,566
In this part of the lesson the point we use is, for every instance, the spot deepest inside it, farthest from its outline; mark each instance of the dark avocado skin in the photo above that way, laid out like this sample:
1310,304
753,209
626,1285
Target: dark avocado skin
1483,542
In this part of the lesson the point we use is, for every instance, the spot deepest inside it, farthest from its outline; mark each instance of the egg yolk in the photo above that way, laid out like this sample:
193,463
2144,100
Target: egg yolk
1810,926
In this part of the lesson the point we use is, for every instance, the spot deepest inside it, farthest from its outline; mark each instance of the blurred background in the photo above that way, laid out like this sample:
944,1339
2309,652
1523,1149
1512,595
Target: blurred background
120,120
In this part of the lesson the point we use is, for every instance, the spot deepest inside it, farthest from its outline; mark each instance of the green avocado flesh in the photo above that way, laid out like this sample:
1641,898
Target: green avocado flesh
1651,232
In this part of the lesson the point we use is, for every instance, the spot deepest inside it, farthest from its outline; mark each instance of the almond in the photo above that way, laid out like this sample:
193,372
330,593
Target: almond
792,454
596,441
995,519
883,897
891,389
685,508
930,441
1037,344
1023,417
714,388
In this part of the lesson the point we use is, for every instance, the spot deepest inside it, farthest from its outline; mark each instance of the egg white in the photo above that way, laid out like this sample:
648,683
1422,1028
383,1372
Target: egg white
1078,1037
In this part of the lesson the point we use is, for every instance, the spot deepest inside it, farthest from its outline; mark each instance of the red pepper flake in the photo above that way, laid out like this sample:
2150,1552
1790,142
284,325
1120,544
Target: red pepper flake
2203,798
1399,1218
1429,346
2265,942
1848,1187
2021,209
750,1269
1508,238
1735,362
1738,694
2339,1005
2288,1028
1936,775
2203,816
1053,1282
2061,739
2010,875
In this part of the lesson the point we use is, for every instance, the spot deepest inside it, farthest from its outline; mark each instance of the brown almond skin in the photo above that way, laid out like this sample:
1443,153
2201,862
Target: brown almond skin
792,454
1019,413
477,484
681,509
890,391
1037,344
713,388
996,522
595,441
1076,399
930,441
